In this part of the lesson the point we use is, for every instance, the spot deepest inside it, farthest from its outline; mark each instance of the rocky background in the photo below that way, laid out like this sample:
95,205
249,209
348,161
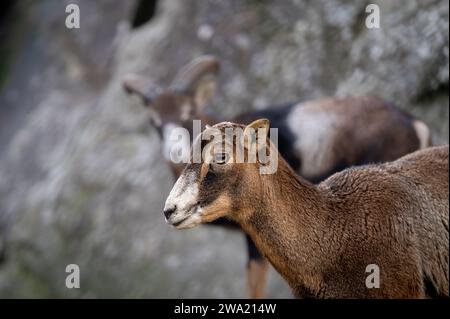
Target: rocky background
82,179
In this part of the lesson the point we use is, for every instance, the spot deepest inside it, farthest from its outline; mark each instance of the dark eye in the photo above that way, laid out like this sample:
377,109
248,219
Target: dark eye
221,158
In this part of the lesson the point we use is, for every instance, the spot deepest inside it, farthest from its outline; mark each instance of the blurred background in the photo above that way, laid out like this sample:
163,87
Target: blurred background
82,178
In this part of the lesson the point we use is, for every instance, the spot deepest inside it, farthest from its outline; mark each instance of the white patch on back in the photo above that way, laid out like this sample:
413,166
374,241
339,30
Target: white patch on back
423,133
315,132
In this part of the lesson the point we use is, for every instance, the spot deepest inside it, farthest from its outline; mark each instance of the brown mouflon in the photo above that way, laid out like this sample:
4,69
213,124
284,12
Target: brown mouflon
321,238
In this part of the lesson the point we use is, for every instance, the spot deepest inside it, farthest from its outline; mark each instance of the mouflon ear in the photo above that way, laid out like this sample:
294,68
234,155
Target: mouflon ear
198,79
141,86
256,133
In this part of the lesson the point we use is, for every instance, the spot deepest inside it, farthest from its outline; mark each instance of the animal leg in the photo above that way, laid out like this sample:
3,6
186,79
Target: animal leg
257,270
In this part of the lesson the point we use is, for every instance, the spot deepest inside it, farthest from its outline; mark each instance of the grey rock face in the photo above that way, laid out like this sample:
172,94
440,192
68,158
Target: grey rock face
82,176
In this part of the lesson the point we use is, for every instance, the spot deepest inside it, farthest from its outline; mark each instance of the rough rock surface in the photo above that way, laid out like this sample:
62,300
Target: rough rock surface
82,177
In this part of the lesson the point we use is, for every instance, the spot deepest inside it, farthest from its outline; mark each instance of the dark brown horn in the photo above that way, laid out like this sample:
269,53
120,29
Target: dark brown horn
189,75
141,86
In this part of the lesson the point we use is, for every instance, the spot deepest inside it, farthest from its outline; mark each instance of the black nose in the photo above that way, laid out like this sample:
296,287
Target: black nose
169,211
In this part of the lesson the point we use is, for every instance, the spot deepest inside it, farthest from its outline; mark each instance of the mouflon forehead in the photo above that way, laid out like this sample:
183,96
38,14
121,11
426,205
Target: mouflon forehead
226,127
220,133
227,131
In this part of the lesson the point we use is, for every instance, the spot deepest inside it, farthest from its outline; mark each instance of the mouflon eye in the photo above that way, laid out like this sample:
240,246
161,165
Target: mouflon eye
220,158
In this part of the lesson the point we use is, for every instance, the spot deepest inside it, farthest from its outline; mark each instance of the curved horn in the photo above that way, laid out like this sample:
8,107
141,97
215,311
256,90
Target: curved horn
189,75
141,86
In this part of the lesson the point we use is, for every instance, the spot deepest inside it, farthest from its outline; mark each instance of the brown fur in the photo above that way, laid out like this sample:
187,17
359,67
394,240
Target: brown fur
257,278
321,238
393,215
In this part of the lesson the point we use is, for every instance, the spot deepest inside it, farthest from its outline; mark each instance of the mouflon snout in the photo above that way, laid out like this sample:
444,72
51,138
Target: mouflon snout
169,210
181,209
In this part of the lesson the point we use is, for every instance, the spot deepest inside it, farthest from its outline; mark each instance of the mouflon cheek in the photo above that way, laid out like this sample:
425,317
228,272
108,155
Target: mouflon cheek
218,208
217,189
211,186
